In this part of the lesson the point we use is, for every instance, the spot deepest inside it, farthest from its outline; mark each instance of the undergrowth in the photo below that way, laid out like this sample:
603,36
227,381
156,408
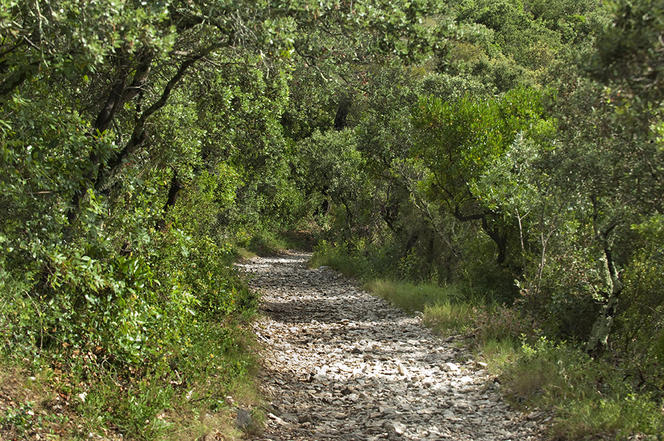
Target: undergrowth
68,394
266,243
144,346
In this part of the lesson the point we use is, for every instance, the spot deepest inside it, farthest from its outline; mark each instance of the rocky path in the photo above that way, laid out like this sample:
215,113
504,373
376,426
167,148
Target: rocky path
340,364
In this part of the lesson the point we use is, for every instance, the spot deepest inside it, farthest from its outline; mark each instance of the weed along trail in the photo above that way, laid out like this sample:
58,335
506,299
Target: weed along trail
340,364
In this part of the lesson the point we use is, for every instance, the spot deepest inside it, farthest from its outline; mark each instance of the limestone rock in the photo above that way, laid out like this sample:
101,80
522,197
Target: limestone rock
340,364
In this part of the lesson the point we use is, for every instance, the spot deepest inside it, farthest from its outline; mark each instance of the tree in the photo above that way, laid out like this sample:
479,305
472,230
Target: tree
459,142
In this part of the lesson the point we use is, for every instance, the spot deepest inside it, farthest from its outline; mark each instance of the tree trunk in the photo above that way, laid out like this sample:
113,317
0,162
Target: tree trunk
138,136
119,94
599,335
342,113
498,237
101,172
173,191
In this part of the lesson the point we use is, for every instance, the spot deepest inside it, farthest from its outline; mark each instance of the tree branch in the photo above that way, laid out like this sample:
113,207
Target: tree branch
138,134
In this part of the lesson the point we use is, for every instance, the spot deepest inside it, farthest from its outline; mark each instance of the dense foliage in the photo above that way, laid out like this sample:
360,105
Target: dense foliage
520,162
515,147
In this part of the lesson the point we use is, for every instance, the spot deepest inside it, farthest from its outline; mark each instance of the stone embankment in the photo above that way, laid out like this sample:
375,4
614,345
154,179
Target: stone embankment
340,364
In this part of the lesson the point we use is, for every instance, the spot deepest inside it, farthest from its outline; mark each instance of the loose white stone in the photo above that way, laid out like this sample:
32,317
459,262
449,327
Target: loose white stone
340,364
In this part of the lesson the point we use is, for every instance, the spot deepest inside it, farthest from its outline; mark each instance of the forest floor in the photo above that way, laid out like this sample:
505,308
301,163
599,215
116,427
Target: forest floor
341,364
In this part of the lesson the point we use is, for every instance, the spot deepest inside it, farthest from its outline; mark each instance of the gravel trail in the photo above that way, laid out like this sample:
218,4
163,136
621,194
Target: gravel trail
340,364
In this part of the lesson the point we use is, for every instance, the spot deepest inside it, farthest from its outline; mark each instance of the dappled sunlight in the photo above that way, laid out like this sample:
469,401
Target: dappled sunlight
339,363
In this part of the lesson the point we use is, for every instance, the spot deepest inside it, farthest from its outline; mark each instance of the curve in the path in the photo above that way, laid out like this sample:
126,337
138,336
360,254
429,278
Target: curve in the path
340,364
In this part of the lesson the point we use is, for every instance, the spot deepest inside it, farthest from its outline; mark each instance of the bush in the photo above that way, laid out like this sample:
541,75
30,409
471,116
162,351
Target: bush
589,396
133,331
497,323
640,320
266,244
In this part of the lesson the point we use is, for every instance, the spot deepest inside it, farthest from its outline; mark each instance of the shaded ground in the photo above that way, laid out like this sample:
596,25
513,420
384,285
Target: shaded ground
341,364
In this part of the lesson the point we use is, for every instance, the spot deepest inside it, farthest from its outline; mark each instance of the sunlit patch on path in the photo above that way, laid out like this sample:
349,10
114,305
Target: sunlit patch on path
341,364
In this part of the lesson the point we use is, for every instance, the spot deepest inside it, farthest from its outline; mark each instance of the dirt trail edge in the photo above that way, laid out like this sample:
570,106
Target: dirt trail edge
341,364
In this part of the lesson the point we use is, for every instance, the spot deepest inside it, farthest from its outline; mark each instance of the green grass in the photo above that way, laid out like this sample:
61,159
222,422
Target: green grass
620,416
413,297
266,244
337,258
444,308
244,253
449,318
499,353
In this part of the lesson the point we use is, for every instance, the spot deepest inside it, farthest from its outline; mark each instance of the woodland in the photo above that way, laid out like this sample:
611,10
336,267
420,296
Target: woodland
496,164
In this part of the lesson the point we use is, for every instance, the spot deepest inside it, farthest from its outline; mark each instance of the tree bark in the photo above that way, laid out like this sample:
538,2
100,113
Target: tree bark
601,330
342,113
138,135
498,237
173,190
120,93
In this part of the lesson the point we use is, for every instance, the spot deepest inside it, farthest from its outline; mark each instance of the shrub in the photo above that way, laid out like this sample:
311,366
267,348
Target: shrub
498,322
590,396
